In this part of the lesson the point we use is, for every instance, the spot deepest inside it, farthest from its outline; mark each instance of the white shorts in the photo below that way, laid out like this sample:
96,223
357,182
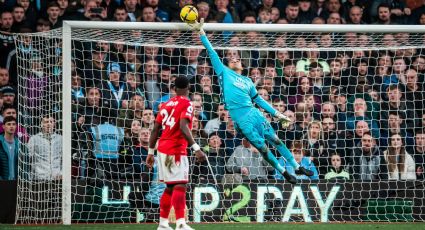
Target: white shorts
177,173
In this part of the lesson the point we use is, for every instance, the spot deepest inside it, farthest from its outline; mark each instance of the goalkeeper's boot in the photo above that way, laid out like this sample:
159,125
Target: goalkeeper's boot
303,171
289,177
164,227
183,227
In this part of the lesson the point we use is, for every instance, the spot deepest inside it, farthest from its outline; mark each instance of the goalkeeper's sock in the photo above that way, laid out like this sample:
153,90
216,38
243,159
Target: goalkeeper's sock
178,200
165,206
284,151
269,157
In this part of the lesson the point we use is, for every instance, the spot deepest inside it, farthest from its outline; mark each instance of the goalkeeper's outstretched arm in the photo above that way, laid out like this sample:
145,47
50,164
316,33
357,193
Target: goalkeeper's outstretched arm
215,60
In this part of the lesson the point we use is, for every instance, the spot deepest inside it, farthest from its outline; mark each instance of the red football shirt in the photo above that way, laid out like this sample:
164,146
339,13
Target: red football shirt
172,141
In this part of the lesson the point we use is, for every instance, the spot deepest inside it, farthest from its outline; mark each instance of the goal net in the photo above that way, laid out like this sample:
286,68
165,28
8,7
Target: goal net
355,100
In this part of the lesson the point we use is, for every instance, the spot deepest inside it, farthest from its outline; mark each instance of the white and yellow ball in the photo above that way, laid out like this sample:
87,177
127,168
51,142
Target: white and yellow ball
189,14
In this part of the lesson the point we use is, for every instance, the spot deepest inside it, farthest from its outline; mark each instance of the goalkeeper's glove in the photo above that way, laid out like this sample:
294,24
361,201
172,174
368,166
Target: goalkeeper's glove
284,120
198,26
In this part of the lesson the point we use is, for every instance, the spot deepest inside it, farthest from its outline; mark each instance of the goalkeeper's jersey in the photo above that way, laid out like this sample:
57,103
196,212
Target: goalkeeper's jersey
238,91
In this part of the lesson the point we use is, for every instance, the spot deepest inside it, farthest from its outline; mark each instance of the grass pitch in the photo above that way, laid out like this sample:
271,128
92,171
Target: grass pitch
229,226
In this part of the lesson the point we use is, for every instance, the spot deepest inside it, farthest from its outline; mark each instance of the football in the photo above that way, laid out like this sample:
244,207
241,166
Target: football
189,14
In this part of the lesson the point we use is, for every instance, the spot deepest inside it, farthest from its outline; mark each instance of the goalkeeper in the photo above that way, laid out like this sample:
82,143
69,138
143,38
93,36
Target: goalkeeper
239,93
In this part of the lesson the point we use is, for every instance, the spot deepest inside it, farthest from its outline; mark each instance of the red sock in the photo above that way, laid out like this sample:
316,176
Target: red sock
178,200
165,203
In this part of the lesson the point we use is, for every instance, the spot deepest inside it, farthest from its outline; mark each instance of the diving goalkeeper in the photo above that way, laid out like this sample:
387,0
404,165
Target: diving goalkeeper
239,93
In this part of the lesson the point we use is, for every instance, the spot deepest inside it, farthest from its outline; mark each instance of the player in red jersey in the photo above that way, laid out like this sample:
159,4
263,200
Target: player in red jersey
175,120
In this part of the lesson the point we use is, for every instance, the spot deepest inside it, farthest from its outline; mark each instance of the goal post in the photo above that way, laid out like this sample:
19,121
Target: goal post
104,199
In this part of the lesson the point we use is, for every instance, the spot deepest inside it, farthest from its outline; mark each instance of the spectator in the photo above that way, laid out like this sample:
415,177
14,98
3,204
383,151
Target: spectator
247,161
315,74
275,15
131,61
301,158
148,119
53,15
105,141
132,9
148,15
203,10
401,165
356,16
417,14
45,151
335,77
418,152
133,152
384,14
121,15
289,79
396,125
334,141
213,125
150,79
198,132
334,18
306,14
19,20
114,90
133,111
303,65
337,170
360,113
21,132
161,14
6,38
216,158
395,103
264,16
225,13
292,11
415,91
314,145
249,17
93,111
77,90
368,161
94,67
9,150
305,89
42,25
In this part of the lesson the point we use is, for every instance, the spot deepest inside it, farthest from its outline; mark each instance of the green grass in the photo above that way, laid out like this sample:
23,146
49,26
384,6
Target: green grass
219,226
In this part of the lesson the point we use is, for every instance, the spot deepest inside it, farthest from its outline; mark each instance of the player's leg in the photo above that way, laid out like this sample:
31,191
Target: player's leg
254,137
176,175
274,140
165,202
179,193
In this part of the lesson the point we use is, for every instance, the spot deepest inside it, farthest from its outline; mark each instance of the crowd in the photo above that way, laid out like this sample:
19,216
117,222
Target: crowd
355,114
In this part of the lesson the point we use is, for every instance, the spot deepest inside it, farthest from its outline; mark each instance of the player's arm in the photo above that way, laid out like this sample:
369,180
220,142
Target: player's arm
184,128
268,108
215,60
152,143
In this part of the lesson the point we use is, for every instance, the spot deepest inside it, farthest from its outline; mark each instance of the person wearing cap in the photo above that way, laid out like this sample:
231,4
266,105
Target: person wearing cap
114,90
8,95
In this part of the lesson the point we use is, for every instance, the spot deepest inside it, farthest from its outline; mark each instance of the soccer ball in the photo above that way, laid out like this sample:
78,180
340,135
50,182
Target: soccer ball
189,14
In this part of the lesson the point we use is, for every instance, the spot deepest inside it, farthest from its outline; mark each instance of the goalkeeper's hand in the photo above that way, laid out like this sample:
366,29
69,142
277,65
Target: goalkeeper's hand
198,26
284,120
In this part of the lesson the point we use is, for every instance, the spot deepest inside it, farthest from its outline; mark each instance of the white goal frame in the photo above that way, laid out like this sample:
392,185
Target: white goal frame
67,58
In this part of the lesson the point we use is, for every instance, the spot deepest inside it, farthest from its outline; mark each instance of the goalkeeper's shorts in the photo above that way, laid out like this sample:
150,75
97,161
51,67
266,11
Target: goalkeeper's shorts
256,128
171,173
